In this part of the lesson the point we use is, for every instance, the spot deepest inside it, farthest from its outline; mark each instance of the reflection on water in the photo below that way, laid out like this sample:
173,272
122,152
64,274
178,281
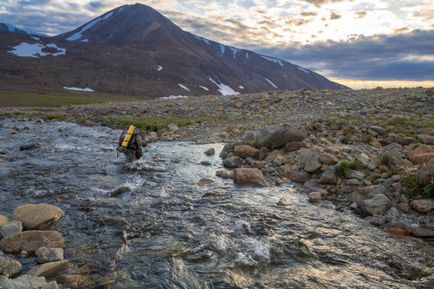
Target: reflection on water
149,224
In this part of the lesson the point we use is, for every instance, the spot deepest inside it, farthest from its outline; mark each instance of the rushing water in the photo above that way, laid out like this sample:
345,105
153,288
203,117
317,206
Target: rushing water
149,224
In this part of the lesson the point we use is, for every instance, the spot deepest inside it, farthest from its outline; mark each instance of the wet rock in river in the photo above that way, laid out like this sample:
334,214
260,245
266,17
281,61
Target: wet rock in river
283,202
314,197
378,204
9,266
210,152
274,137
3,220
11,228
31,241
49,269
248,176
24,282
45,255
422,205
29,146
38,216
246,151
119,191
233,162
224,174
205,182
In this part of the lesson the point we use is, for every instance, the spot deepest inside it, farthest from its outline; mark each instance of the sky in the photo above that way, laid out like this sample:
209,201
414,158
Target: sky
359,43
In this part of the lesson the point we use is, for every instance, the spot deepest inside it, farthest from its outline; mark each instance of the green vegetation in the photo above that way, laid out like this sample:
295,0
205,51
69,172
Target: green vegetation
413,188
386,160
429,191
55,99
344,167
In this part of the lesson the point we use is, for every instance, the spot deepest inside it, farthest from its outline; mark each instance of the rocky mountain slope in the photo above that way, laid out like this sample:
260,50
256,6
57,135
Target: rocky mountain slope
135,50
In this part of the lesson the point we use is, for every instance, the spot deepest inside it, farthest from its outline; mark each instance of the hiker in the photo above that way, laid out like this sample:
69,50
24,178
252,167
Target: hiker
131,142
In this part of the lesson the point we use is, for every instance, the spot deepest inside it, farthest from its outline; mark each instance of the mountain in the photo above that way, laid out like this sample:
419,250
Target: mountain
4,27
135,50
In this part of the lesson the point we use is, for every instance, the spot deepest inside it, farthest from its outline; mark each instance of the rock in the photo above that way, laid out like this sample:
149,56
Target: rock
314,197
398,228
309,158
205,182
378,204
225,174
329,176
298,176
274,137
315,187
248,176
13,227
327,159
425,176
246,151
9,267
49,269
29,146
283,202
263,152
422,205
205,163
364,160
119,191
210,152
426,139
233,162
31,241
422,154
217,194
373,190
293,146
358,175
423,232
38,216
3,220
353,182
173,127
376,220
377,129
45,255
24,282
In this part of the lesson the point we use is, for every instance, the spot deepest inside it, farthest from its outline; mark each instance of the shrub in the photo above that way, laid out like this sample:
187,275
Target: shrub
386,159
343,168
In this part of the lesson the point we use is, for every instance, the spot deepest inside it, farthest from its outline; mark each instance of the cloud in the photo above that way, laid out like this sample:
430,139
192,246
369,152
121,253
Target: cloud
361,14
407,56
334,16
319,3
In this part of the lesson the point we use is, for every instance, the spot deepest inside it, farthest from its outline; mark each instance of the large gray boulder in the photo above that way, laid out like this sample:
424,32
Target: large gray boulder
309,159
378,204
274,137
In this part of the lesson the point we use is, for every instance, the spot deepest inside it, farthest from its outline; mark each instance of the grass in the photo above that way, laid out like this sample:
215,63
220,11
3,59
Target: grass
55,99
386,160
344,167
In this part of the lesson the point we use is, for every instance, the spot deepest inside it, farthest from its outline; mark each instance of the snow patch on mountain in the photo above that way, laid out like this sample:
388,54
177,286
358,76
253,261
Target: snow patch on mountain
270,82
234,51
25,49
10,28
87,89
303,69
240,87
223,88
174,97
204,87
222,48
275,60
159,67
183,86
76,36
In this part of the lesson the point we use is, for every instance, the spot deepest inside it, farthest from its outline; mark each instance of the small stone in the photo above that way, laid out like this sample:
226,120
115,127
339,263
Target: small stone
45,255
422,205
210,152
426,139
37,216
225,174
13,227
293,146
263,152
31,241
205,163
29,146
425,176
328,159
49,269
376,220
314,197
283,202
173,127
280,181
248,176
246,151
378,204
298,176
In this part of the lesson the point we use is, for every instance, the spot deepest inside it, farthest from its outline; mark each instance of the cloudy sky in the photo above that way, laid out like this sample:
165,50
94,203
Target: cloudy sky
360,43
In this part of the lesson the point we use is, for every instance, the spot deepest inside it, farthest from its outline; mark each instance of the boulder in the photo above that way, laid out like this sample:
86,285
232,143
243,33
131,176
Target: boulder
422,205
274,137
13,227
426,139
3,220
45,255
398,228
373,190
283,202
248,176
314,197
49,269
24,282
426,175
9,267
327,158
329,176
378,204
210,152
293,146
313,186
309,158
31,241
233,162
38,216
225,174
422,154
423,232
298,176
246,151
